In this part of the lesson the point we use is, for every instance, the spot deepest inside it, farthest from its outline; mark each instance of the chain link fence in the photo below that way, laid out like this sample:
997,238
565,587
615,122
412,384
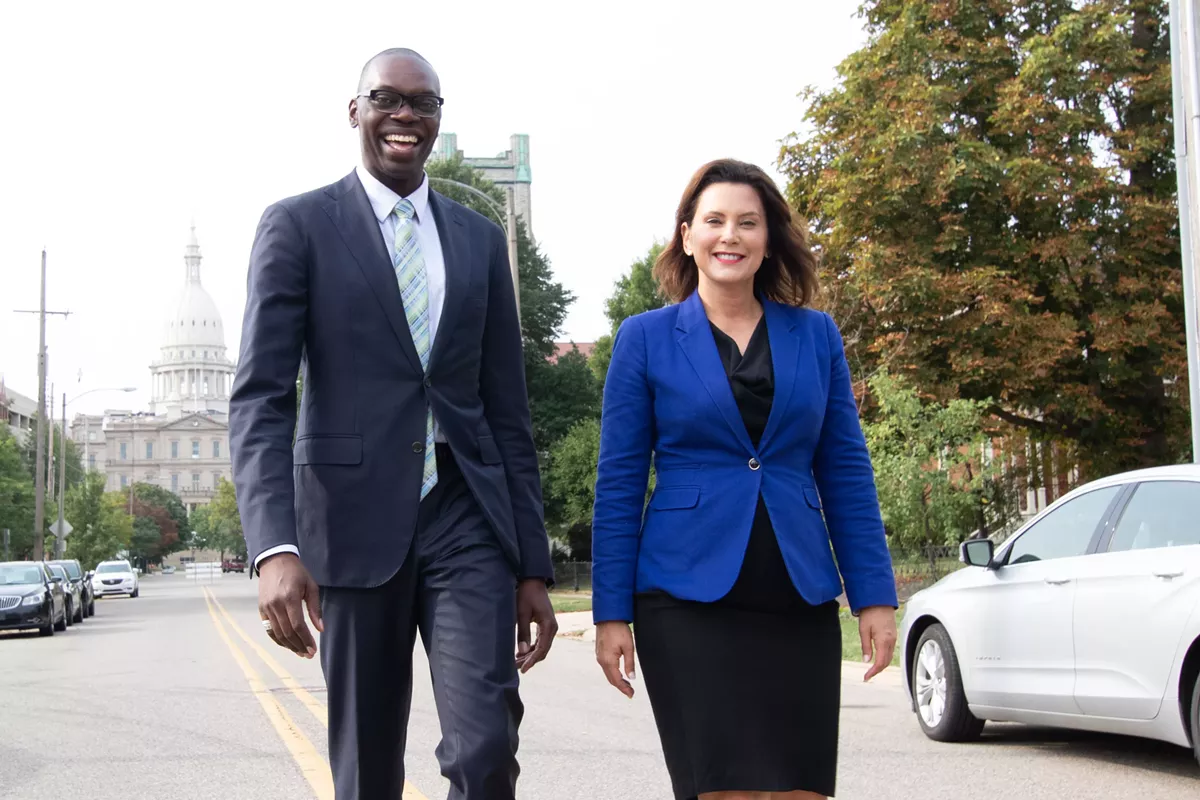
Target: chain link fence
573,576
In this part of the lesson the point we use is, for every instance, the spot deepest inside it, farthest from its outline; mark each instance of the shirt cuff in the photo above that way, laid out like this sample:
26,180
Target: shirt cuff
283,548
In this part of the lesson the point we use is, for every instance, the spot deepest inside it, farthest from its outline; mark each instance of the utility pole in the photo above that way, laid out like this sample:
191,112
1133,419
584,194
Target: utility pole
50,450
39,513
1185,85
512,246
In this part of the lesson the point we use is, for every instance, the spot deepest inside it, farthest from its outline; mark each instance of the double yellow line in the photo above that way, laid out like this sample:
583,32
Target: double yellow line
308,759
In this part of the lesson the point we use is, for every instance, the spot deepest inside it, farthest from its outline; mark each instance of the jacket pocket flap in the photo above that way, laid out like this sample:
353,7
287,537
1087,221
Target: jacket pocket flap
488,452
345,450
675,497
812,498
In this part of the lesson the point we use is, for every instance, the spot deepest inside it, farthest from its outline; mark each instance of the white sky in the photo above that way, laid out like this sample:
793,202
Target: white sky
123,120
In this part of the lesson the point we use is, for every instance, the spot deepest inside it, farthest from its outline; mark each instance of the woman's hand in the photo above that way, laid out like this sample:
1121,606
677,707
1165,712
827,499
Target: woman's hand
614,641
877,630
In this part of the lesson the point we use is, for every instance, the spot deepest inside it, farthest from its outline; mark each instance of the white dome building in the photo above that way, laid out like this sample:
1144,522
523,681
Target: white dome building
193,375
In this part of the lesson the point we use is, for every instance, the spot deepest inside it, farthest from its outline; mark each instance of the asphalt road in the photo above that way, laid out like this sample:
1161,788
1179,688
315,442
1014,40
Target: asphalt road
170,696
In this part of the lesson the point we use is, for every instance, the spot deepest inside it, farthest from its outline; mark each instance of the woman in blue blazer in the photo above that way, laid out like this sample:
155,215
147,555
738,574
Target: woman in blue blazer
739,395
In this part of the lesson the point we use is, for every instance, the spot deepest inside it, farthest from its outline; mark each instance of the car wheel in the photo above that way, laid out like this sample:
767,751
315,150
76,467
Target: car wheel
135,592
79,615
92,607
61,625
47,630
937,683
68,614
1196,718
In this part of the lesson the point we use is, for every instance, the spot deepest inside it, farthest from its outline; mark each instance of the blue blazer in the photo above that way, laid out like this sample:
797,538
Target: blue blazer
667,396
321,292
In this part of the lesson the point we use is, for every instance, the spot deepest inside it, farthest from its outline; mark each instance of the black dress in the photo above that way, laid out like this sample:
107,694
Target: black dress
745,691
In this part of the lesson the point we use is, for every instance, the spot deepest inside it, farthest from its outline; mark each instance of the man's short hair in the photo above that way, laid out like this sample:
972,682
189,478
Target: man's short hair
391,52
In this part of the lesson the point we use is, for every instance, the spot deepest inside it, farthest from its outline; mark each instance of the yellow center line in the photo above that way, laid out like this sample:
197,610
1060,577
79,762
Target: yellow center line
312,766
315,707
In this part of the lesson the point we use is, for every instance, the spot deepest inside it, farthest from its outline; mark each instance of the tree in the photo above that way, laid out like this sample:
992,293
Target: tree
101,525
16,496
74,462
936,484
634,292
991,188
561,393
169,502
224,522
155,532
570,485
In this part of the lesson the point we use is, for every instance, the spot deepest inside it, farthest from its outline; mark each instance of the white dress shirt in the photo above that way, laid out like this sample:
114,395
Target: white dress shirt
383,203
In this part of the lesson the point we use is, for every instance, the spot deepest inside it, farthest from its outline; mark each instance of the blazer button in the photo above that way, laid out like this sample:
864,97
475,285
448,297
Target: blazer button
418,447
428,383
754,463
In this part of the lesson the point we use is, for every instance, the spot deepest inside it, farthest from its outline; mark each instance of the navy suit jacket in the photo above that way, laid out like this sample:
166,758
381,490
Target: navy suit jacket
667,396
322,292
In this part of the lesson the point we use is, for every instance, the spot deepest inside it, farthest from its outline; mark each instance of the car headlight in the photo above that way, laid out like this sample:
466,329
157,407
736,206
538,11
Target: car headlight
34,599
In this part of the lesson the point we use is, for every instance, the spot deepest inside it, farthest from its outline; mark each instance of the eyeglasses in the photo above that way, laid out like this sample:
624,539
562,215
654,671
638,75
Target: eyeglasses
389,102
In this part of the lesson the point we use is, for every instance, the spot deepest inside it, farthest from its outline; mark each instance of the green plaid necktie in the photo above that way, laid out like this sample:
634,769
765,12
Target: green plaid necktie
414,291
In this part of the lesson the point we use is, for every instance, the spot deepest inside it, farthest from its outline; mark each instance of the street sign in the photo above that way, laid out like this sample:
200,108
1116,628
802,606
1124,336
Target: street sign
66,528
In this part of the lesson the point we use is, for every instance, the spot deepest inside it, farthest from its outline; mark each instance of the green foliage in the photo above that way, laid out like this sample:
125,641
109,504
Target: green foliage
223,523
571,481
634,292
991,186
16,496
935,483
561,394
171,504
74,473
101,525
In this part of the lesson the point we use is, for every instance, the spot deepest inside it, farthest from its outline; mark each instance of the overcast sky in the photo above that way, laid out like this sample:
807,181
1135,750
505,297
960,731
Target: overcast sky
126,119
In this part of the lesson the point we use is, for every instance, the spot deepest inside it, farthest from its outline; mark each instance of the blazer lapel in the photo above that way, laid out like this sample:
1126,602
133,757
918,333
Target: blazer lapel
354,219
785,350
695,337
457,257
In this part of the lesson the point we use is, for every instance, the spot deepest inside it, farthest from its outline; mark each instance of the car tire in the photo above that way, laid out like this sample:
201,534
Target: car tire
47,630
79,615
1196,718
68,613
936,679
135,592
61,625
92,607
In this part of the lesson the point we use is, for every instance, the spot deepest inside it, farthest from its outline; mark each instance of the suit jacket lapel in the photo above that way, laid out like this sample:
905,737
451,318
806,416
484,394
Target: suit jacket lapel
354,219
695,337
456,255
785,350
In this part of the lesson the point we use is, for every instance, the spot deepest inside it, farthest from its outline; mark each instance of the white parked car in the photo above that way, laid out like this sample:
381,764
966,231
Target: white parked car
1088,618
114,577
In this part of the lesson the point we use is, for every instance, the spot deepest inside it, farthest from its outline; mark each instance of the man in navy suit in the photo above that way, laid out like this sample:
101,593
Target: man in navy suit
410,499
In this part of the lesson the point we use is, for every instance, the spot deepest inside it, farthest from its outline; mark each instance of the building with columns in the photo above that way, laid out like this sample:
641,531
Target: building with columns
182,442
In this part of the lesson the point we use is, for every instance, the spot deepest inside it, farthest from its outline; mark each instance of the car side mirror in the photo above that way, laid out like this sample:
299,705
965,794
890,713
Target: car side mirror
977,553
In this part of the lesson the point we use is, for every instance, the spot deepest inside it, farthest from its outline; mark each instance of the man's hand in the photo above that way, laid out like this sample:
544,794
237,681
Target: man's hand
284,588
877,630
533,605
614,642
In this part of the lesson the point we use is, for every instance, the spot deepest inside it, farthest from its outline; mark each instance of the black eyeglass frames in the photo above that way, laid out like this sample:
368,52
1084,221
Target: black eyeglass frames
389,102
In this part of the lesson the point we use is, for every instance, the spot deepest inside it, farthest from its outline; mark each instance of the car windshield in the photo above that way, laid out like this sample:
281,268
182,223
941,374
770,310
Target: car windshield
58,571
112,568
12,574
71,567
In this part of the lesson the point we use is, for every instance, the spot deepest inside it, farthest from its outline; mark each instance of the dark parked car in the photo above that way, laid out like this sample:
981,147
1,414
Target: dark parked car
82,580
31,597
71,591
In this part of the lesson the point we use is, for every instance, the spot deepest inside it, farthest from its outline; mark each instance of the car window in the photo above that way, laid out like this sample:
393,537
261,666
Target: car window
112,568
1064,532
58,571
1161,514
12,574
72,569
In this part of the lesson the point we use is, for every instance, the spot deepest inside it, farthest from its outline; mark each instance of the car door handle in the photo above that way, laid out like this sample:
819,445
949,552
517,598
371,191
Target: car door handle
1168,575
1057,581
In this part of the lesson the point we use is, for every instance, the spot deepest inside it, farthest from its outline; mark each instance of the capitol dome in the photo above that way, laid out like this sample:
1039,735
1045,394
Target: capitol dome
193,373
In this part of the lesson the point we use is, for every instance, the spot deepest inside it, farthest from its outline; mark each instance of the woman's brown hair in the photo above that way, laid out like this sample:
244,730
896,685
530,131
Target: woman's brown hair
788,274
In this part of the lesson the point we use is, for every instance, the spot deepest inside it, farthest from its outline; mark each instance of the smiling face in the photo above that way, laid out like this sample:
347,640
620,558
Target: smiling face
727,235
396,145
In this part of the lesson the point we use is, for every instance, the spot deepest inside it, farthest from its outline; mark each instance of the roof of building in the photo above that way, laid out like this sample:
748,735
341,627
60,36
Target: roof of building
196,322
562,348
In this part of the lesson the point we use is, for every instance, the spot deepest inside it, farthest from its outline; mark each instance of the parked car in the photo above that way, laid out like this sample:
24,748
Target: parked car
1087,618
115,577
233,565
72,591
30,597
79,578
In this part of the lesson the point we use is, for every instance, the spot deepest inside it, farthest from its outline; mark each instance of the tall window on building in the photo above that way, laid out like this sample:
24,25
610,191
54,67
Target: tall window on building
216,448
124,452
216,479
174,449
91,462
149,450
195,448
174,481
196,481
124,481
